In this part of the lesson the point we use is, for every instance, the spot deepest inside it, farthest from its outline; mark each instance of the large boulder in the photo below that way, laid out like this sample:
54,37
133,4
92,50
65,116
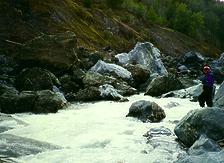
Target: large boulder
108,92
145,54
203,145
7,70
208,121
8,103
112,69
102,92
163,84
95,79
139,73
88,94
146,111
219,96
203,150
191,92
218,69
6,89
68,84
6,65
54,52
124,89
192,60
35,79
48,102
44,101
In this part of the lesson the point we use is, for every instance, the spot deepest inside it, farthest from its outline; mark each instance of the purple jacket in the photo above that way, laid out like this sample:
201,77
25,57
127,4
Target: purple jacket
208,80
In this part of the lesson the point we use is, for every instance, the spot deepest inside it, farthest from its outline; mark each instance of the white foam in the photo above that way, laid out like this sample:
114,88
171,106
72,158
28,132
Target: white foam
100,132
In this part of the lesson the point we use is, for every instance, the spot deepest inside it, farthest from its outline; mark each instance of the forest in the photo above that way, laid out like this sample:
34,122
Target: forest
202,20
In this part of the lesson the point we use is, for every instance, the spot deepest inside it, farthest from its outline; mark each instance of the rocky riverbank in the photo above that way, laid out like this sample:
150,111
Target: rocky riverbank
40,89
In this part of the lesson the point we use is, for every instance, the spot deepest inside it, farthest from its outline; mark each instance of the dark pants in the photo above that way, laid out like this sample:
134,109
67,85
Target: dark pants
206,96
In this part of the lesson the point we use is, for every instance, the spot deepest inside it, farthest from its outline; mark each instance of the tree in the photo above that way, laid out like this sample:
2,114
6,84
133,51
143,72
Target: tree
182,19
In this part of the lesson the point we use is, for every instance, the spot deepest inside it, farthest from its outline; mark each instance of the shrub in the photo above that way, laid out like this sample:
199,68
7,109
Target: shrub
114,3
87,3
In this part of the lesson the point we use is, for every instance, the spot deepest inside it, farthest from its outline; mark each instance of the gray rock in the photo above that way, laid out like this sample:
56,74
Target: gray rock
35,79
158,132
146,111
8,103
182,70
6,89
124,89
31,101
218,69
95,79
113,69
208,121
48,102
203,145
219,96
203,150
191,92
68,84
88,94
139,73
108,92
16,146
192,59
54,52
163,84
144,54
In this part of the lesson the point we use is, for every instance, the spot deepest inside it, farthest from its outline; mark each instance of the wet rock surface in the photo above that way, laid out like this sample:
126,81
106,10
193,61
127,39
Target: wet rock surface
146,111
36,79
206,121
44,101
19,146
219,96
145,54
163,84
203,150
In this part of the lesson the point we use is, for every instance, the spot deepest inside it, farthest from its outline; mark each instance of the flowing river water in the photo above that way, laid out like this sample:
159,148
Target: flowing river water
100,132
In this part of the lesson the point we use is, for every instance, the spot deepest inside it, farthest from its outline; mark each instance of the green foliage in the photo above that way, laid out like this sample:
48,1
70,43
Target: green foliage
87,3
201,19
114,3
154,17
182,19
135,7
196,24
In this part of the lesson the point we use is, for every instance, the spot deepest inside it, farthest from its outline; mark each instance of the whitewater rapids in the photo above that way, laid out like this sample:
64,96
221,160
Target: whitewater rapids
100,132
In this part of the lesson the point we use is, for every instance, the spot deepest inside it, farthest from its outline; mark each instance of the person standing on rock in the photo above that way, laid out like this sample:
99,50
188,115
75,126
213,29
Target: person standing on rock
208,88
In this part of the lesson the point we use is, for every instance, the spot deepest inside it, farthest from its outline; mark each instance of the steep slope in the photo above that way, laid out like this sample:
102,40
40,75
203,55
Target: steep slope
95,28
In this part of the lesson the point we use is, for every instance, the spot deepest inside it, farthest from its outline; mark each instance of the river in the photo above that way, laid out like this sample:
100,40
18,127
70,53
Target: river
100,132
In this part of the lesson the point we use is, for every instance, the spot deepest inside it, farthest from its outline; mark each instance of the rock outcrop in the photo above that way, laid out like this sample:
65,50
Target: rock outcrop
219,96
145,54
218,69
208,121
163,84
203,150
104,68
36,79
55,52
44,101
146,111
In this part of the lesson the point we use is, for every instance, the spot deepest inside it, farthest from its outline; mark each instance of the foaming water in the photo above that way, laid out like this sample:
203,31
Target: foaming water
99,132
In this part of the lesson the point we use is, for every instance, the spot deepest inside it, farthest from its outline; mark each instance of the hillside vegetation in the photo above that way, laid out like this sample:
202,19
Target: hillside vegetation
115,25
